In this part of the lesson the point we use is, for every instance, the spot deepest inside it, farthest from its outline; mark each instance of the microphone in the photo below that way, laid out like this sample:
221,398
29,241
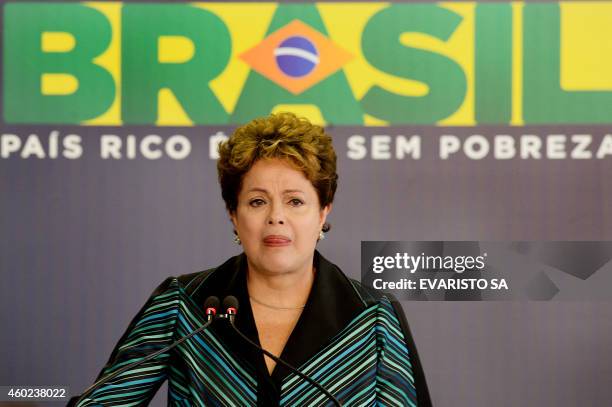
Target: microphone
230,304
210,307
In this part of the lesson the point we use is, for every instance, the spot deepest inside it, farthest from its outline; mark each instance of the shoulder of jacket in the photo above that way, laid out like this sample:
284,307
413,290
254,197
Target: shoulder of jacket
192,281
369,296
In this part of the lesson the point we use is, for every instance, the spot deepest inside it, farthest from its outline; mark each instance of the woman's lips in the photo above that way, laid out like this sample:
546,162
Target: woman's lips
277,240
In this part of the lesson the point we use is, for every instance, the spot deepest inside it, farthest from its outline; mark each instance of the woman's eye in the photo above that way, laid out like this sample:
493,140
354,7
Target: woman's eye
296,202
256,202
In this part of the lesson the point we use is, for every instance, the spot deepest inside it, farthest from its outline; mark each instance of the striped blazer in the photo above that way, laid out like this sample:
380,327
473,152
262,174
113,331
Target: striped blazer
354,341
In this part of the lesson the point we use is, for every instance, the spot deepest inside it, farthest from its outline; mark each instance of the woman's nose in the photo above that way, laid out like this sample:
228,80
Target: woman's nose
276,214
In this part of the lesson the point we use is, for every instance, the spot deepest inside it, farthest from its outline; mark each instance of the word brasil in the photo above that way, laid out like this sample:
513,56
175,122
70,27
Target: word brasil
177,64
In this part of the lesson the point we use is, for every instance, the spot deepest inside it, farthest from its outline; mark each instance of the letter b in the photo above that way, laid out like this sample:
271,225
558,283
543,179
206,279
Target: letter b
26,61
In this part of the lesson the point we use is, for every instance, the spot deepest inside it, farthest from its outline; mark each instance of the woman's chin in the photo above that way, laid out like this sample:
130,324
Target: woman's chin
278,266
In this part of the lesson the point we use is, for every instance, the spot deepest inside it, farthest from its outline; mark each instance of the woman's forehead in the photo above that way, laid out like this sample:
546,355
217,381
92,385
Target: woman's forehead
275,175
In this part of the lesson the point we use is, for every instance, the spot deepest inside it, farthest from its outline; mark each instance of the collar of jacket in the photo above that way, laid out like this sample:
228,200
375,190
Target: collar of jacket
332,303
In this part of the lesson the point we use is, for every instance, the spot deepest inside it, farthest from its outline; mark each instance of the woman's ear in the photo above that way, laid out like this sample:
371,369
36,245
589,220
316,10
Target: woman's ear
232,216
324,212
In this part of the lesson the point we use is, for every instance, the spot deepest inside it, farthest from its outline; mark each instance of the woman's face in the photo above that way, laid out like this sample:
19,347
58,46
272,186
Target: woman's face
278,217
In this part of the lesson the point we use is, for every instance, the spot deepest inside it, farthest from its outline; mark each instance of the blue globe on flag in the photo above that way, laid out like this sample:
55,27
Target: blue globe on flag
296,56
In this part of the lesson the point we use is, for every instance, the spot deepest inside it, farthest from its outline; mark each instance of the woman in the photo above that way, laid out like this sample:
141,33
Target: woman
278,179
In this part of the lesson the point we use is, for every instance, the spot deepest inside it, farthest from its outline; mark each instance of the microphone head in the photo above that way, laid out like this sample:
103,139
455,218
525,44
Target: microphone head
230,304
211,305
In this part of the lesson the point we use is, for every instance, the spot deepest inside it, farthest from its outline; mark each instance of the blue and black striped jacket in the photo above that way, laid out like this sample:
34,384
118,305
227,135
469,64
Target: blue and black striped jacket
353,341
